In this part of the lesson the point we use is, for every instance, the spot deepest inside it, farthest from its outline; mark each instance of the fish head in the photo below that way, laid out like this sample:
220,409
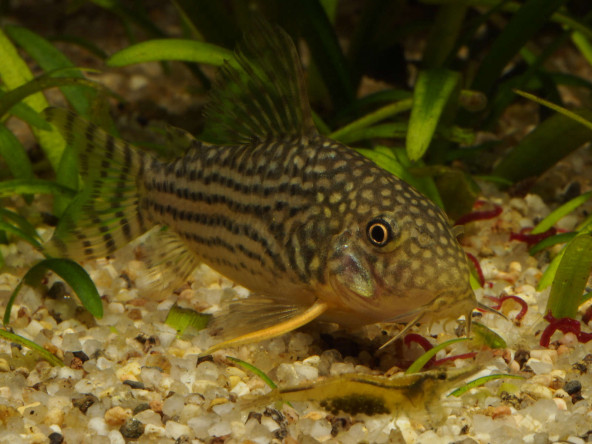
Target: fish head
397,258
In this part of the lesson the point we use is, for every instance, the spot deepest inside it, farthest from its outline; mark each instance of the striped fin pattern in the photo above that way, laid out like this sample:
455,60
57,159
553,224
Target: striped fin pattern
261,94
106,215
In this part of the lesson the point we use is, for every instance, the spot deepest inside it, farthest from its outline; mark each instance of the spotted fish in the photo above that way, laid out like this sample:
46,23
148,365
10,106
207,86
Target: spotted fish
311,227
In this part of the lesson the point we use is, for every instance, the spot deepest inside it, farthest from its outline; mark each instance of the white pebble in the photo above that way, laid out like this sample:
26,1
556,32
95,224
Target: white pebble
176,430
321,430
220,429
98,425
115,437
173,405
240,389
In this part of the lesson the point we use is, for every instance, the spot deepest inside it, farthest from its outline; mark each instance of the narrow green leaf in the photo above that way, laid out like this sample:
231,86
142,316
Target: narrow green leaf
72,273
561,212
552,240
550,271
571,277
182,318
420,362
33,186
583,44
574,116
11,98
480,381
19,221
14,154
251,368
552,140
525,23
370,119
45,354
432,93
171,49
4,226
28,115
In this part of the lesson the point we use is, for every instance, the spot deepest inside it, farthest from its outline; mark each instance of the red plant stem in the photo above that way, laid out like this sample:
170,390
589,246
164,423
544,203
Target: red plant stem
468,355
532,239
503,298
475,262
479,215
565,325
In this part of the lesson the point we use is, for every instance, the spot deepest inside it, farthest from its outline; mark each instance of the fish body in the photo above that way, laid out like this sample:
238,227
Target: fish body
310,226
371,394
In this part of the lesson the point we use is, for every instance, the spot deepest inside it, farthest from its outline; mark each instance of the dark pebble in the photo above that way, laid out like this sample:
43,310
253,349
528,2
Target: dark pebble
572,387
521,356
81,355
57,290
55,438
84,402
141,407
132,428
134,384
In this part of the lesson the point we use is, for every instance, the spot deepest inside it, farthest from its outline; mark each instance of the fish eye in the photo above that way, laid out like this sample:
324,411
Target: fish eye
379,232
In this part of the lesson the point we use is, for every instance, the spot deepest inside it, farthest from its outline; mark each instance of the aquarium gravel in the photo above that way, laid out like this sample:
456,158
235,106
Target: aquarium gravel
129,377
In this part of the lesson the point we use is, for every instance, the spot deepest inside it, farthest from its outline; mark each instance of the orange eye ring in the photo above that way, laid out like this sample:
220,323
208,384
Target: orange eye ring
379,232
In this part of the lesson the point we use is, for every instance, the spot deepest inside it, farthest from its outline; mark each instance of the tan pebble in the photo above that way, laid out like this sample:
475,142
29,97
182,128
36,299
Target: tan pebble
560,393
563,349
54,417
7,412
217,401
37,438
156,406
4,365
315,416
130,371
560,403
117,415
500,411
569,339
548,356
76,363
537,391
233,380
514,366
53,349
22,408
134,314
138,302
544,380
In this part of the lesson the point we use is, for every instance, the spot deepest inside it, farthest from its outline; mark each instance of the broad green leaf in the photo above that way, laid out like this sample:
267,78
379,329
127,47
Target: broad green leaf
50,59
432,94
552,140
14,154
45,354
561,212
14,72
486,336
419,363
571,277
584,45
72,273
171,49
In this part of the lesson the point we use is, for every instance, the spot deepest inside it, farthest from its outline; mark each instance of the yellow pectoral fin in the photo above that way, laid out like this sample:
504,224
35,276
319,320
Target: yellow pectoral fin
294,322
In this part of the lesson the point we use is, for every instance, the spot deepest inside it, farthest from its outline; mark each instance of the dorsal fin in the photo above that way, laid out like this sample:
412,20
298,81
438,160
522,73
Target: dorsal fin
261,93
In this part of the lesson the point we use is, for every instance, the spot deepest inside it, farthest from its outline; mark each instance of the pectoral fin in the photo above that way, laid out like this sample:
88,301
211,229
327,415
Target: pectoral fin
264,319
